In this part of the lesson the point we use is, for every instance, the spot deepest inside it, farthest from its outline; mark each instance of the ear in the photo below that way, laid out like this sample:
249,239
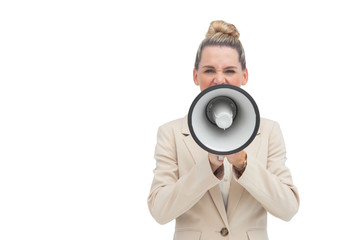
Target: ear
195,77
245,77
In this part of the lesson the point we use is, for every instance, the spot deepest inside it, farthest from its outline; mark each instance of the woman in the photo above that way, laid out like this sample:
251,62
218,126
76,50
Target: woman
213,199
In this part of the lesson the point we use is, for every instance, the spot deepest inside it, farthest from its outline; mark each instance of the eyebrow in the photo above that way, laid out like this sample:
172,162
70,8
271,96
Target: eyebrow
209,66
231,67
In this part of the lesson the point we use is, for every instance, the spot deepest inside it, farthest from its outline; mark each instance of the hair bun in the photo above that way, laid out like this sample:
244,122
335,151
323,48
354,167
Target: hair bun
220,27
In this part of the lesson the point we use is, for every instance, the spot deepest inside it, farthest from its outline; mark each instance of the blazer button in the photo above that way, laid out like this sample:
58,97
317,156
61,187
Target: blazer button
224,232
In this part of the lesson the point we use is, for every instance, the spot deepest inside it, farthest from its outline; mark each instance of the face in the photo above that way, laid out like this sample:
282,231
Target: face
219,65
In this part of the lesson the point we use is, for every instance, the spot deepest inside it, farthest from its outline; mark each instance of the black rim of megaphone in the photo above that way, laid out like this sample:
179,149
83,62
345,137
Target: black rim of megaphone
201,94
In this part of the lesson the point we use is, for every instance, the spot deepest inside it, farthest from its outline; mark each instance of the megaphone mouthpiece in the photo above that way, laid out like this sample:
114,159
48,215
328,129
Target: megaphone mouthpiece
224,120
221,111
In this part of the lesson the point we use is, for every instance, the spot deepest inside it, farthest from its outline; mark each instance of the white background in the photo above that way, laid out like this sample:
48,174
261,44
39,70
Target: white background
84,86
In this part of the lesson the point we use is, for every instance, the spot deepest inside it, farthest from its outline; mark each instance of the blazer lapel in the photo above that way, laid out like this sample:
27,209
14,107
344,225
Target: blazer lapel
236,190
198,153
235,193
216,196
195,150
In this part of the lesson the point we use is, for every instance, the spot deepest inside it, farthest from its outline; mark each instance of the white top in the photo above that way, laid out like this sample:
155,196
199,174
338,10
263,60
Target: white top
225,182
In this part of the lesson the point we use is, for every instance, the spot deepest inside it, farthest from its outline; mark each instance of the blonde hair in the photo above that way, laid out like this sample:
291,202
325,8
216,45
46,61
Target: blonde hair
221,33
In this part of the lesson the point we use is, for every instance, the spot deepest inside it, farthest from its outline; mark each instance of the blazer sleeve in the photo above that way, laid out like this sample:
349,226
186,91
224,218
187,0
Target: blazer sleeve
272,185
170,195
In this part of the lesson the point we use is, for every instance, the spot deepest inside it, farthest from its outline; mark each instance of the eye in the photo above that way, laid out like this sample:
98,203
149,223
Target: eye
230,71
209,71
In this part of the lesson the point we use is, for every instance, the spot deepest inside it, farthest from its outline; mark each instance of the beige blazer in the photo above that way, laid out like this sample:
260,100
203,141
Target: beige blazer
184,187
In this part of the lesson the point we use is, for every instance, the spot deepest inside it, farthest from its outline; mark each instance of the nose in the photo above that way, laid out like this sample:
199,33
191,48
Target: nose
219,79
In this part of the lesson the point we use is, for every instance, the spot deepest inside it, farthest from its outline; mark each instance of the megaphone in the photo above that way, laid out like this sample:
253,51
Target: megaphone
223,119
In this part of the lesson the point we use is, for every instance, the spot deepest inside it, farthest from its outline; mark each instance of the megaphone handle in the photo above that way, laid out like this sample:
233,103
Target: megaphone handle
221,158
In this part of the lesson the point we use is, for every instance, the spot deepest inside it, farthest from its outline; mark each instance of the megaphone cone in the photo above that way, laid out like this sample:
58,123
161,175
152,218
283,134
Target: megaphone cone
223,119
